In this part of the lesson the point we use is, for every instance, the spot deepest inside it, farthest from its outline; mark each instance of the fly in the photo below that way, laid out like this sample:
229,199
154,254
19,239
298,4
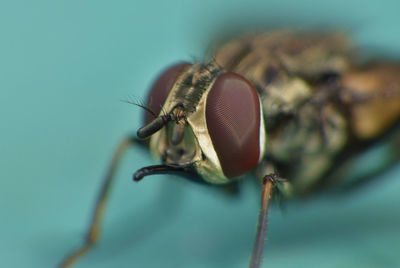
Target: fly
293,108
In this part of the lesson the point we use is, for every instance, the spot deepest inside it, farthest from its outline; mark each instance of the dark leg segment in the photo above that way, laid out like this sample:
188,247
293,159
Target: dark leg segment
93,232
259,242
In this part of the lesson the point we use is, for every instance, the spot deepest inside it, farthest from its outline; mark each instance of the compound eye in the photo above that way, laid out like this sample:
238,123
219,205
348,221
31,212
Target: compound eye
161,88
233,122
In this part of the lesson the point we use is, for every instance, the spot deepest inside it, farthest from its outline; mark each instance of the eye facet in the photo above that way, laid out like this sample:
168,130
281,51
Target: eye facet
233,122
161,88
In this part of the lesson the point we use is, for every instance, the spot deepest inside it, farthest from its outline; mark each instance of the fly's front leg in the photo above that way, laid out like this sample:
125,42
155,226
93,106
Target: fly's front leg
270,183
281,188
93,232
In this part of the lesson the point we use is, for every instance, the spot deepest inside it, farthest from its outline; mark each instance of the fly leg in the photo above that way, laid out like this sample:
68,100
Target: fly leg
270,182
93,232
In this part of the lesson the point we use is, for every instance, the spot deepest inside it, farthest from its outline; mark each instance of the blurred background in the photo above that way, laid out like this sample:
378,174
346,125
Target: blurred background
65,66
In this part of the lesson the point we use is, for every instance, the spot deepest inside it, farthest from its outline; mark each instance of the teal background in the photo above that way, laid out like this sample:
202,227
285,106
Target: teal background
65,66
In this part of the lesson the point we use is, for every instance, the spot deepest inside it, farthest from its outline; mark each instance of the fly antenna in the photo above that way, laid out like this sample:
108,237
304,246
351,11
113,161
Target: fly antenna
176,114
155,125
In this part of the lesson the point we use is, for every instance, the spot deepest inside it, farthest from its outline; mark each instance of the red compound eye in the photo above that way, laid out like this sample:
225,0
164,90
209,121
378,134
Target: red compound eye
160,89
233,121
